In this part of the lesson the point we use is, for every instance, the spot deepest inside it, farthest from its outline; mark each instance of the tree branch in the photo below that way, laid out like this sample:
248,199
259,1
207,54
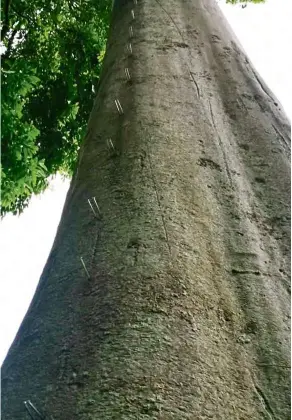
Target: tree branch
5,27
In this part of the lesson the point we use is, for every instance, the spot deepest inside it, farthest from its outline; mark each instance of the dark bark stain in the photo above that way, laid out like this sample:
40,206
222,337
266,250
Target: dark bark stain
209,163
236,271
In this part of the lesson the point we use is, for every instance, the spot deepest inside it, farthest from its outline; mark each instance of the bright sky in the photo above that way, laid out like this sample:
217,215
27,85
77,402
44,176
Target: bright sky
264,32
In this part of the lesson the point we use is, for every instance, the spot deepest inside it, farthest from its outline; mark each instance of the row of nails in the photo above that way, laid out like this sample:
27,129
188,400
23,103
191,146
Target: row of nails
28,404
127,72
109,141
97,213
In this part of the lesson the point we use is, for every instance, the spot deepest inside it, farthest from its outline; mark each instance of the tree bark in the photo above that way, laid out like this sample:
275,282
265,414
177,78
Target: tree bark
186,311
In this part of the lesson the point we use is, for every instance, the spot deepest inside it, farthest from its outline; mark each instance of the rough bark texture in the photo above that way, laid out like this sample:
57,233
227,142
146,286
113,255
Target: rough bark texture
186,312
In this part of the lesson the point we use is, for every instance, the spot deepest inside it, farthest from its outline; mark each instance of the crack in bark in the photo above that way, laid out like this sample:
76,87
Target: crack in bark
171,18
182,37
261,85
94,248
197,86
263,398
158,200
282,137
265,402
221,145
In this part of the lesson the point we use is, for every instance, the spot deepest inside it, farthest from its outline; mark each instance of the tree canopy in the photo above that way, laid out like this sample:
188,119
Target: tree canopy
50,71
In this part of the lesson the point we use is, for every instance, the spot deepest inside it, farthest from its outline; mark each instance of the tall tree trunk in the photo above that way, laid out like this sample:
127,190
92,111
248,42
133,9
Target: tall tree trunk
186,311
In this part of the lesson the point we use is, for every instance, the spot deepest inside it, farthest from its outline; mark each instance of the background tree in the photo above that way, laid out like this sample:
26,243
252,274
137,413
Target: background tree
49,74
183,308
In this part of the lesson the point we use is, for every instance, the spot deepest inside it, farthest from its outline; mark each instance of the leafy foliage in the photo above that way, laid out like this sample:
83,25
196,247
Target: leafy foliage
49,72
243,3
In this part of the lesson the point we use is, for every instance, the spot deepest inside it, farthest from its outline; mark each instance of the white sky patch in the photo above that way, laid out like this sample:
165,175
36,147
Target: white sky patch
25,244
264,32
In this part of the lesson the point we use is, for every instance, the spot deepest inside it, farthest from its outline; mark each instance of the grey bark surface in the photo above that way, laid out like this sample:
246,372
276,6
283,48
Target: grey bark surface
186,311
